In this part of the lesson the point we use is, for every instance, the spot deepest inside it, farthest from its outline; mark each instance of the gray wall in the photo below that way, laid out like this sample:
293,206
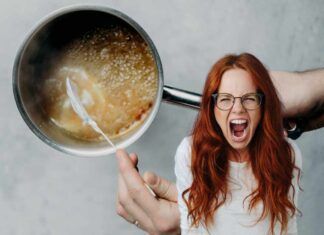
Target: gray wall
43,191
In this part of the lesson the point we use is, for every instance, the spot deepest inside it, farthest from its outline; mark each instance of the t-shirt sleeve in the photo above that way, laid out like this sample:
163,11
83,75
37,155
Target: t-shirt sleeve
184,181
292,224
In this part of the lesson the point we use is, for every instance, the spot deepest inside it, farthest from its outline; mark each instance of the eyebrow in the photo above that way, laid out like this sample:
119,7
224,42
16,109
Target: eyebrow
226,93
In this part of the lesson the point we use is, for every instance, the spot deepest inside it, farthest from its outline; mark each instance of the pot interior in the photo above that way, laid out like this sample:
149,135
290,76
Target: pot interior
115,67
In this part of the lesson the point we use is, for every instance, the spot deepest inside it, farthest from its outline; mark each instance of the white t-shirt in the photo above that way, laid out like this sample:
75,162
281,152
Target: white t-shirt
231,218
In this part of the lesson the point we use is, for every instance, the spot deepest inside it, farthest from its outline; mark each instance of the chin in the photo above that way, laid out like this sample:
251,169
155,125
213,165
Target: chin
238,146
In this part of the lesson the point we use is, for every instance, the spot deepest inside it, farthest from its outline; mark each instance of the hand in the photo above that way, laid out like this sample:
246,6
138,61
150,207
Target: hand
302,95
155,215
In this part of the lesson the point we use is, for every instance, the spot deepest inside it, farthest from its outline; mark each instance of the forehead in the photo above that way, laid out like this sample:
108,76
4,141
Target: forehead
237,82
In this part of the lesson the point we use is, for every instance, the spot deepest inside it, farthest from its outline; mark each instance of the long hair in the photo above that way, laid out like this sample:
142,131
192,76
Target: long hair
271,158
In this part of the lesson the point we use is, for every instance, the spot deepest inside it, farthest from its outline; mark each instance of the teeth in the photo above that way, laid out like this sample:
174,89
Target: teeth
238,121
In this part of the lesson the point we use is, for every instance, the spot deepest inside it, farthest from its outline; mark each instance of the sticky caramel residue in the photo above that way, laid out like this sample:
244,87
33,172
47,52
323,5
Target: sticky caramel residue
117,79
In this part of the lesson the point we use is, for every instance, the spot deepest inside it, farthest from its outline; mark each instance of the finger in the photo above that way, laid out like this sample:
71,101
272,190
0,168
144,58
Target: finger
135,185
126,160
122,195
134,158
129,210
123,213
161,187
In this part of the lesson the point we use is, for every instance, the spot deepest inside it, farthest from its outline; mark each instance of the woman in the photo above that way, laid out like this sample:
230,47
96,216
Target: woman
237,173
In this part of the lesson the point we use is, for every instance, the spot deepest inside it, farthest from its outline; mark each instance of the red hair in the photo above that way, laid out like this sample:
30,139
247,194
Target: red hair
272,160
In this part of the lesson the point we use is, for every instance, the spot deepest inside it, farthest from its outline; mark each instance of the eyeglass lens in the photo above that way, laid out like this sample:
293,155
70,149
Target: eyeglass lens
249,101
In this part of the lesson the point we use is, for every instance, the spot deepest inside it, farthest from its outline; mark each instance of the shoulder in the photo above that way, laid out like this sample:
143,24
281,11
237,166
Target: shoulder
296,152
183,154
185,144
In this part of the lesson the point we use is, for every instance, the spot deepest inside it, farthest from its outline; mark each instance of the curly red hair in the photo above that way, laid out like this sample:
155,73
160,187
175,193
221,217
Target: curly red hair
271,157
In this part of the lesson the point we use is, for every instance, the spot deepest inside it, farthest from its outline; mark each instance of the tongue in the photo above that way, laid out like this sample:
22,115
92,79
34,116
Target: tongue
239,127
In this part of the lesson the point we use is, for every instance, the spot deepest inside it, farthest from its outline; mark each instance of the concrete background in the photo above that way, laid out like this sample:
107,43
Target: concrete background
43,191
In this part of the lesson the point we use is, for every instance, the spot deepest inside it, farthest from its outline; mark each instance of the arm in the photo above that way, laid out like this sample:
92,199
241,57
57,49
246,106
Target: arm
302,95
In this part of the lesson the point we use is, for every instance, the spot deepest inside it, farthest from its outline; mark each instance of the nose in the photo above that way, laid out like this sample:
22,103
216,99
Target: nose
237,106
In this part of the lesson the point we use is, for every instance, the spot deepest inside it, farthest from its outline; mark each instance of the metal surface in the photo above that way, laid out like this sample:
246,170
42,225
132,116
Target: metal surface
47,36
181,97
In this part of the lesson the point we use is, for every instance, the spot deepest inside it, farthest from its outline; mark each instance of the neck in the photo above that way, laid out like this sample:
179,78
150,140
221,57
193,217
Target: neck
239,155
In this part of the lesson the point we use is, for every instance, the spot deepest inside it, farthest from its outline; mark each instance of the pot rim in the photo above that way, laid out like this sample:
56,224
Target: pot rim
103,151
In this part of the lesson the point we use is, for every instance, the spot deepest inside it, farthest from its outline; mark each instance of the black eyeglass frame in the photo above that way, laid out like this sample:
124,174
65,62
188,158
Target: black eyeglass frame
240,97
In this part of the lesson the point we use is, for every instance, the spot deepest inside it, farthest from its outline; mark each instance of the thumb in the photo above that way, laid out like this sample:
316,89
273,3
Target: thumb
161,187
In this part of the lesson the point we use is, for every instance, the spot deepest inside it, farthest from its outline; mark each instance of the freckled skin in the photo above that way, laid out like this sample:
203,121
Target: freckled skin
237,82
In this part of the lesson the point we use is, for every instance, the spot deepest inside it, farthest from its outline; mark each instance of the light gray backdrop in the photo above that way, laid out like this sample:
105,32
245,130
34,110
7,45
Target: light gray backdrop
43,191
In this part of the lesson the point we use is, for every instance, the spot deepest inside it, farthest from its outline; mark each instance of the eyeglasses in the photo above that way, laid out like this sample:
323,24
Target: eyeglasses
225,101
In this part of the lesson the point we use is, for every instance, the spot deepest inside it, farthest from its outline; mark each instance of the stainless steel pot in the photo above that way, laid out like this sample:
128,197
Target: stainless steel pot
43,42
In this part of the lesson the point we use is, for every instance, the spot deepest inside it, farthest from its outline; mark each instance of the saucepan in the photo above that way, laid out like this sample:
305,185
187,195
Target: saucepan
39,52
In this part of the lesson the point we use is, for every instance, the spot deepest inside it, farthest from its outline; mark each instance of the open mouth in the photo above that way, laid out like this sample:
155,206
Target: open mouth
238,129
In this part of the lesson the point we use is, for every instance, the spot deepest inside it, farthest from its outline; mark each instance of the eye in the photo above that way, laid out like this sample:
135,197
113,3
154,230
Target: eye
251,97
225,99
